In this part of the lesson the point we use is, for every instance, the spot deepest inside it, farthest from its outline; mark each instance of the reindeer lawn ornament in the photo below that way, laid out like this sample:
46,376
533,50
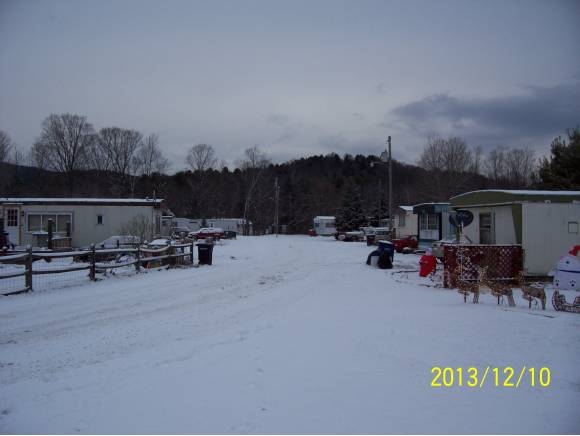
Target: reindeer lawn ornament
532,293
466,286
483,282
499,290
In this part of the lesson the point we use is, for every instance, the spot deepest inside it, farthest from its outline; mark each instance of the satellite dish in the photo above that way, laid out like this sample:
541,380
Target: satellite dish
461,218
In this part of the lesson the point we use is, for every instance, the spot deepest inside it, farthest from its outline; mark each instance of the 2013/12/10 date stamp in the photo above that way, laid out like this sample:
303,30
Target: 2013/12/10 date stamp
504,377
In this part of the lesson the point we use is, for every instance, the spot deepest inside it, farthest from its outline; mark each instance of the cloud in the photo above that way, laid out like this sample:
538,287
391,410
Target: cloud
539,113
278,119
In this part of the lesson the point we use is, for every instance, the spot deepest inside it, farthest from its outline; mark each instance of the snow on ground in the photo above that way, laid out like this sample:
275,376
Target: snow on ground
280,335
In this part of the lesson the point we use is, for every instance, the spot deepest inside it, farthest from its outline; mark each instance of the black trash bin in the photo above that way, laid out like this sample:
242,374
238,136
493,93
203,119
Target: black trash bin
205,253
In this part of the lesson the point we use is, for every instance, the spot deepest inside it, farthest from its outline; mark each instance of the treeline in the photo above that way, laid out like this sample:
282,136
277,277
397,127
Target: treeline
71,158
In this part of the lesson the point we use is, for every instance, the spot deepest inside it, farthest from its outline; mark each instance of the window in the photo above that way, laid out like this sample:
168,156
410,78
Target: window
572,226
12,218
62,221
429,221
486,235
402,220
34,223
99,219
39,221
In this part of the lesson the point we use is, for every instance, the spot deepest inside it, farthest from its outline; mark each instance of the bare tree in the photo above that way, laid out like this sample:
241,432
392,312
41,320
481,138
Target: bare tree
63,144
201,157
5,146
511,168
451,154
520,164
253,159
495,164
17,157
120,146
149,158
253,164
432,157
451,165
140,226
477,161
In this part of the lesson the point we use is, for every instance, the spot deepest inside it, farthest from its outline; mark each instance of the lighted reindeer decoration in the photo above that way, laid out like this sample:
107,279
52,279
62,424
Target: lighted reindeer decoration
531,293
499,290
465,286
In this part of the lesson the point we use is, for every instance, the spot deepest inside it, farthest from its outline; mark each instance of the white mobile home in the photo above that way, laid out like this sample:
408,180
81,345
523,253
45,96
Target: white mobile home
405,221
324,225
83,220
545,223
227,224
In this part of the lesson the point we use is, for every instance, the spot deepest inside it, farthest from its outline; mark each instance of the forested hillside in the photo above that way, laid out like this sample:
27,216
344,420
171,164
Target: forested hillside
308,187
119,163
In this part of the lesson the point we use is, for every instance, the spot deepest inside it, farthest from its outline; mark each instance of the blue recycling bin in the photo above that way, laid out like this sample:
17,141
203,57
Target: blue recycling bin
387,247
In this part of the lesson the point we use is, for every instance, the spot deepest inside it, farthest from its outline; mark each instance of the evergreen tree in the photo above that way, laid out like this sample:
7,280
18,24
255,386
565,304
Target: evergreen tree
350,216
377,214
562,170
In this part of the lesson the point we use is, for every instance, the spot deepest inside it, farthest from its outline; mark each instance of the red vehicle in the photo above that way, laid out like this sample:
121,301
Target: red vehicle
208,232
409,242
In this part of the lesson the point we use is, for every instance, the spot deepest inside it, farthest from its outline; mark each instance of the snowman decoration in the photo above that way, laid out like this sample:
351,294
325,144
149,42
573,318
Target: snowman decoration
567,275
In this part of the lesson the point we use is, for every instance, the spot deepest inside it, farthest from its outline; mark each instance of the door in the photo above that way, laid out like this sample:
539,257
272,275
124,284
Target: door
11,223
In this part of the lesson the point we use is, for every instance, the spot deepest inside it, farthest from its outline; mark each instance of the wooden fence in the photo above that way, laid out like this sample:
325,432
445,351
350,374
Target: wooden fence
94,261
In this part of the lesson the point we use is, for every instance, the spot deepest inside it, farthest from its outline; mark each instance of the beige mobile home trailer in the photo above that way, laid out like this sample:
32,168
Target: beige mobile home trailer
324,225
88,220
544,223
405,222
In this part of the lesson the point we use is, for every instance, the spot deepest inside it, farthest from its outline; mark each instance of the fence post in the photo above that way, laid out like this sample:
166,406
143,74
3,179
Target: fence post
138,264
171,260
92,271
50,235
28,276
191,252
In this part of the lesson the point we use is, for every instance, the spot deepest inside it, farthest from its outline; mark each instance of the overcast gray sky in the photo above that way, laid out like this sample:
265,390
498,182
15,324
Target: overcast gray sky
296,78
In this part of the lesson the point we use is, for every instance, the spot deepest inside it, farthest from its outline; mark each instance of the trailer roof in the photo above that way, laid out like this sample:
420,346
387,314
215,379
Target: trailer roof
85,201
500,196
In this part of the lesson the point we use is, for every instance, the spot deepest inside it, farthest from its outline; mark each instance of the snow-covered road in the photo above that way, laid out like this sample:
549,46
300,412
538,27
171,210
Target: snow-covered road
281,335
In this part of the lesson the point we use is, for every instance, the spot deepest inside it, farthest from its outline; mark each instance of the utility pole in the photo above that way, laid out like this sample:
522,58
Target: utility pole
380,201
277,199
390,189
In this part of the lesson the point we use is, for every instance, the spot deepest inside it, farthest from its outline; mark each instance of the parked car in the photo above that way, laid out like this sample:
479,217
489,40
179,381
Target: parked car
350,236
120,241
208,232
158,243
408,243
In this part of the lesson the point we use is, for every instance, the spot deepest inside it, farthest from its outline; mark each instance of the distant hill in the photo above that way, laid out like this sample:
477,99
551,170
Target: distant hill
308,187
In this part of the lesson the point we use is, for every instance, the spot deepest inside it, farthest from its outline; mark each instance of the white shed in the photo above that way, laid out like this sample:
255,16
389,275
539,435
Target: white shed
545,223
324,225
